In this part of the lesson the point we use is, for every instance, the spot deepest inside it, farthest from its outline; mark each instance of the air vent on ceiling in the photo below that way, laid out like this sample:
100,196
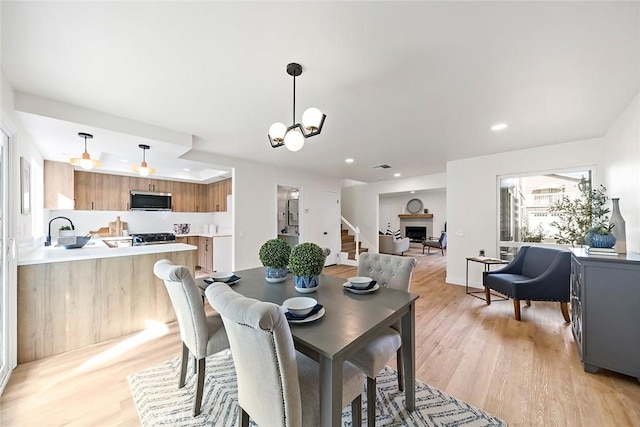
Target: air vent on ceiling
382,166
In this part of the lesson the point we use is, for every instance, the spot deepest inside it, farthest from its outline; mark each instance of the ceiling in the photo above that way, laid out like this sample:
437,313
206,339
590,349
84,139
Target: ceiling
409,84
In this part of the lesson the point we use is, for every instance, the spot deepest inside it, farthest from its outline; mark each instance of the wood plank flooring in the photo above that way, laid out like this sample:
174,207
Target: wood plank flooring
528,373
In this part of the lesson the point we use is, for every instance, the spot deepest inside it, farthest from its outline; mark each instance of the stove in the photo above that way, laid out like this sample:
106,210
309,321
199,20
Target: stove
152,238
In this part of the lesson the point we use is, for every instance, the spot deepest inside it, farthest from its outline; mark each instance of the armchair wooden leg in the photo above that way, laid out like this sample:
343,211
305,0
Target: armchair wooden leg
422,249
528,302
516,308
565,311
183,365
487,295
371,402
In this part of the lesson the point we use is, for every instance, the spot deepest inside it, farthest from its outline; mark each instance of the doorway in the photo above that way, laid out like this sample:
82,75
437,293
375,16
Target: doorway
7,335
331,225
289,221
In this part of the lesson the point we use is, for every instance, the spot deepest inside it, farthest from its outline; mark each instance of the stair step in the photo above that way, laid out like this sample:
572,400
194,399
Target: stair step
347,239
352,254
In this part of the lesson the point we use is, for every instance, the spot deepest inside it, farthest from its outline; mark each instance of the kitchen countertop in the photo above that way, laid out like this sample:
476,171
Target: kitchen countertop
94,249
203,235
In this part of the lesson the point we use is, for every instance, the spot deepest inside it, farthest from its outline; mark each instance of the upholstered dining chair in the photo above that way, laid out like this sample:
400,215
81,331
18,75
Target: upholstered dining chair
201,335
277,386
393,272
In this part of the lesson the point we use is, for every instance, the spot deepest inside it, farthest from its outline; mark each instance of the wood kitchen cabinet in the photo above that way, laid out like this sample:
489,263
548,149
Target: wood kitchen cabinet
201,198
183,197
97,191
205,253
58,185
218,192
84,187
149,184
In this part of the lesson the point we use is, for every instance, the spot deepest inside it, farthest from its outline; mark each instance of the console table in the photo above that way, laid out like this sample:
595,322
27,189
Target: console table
605,311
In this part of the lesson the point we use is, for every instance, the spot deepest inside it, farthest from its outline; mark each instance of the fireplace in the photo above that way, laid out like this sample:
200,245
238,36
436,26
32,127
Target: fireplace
416,234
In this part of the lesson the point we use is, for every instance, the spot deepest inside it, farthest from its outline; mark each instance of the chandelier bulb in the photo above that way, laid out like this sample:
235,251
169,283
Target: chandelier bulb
277,131
294,140
311,119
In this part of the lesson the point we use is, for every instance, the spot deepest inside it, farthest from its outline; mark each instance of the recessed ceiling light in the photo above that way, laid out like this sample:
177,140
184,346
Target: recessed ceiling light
124,160
348,160
413,192
499,126
397,174
186,170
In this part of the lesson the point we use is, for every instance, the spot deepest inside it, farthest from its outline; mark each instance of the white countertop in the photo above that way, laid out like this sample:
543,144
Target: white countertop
94,249
203,235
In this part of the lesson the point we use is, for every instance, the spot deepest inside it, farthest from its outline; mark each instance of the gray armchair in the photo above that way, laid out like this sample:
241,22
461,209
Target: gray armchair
432,242
388,244
535,274
201,335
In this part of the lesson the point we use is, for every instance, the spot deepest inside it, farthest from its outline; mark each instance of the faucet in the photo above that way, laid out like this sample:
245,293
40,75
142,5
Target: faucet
48,241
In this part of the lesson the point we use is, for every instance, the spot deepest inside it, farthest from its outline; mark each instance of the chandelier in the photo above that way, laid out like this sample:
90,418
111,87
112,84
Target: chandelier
293,137
85,162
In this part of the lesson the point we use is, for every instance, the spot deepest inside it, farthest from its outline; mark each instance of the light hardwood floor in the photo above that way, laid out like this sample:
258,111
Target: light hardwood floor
528,373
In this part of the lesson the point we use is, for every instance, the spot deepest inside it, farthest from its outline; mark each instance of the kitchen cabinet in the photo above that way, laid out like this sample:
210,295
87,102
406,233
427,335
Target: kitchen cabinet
201,198
205,253
58,185
84,186
97,191
183,197
218,192
605,320
150,184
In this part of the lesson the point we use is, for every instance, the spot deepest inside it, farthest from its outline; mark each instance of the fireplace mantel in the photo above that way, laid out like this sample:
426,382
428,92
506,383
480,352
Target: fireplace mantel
410,216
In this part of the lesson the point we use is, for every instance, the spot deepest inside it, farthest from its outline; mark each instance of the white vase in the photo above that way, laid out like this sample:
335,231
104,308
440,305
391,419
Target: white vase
619,230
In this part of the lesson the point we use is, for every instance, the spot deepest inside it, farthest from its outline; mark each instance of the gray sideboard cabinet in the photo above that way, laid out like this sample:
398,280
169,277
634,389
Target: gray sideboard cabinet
605,311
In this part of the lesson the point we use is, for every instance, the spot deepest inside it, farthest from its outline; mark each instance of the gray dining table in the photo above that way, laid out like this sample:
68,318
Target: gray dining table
350,321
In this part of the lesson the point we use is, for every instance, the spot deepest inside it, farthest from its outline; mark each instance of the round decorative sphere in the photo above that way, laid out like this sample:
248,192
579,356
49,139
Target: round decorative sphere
602,240
294,140
277,131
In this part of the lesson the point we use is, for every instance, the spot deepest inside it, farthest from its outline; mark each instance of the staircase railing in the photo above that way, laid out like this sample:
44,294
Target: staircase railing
356,231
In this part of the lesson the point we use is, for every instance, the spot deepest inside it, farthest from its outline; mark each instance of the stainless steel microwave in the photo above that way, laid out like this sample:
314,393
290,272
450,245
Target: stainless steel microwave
150,201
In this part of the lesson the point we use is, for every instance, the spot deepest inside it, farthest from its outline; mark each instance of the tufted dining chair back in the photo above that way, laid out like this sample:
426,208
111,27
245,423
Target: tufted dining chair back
391,271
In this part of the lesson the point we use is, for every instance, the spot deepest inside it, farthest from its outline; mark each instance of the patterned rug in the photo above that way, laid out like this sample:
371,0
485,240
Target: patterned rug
160,402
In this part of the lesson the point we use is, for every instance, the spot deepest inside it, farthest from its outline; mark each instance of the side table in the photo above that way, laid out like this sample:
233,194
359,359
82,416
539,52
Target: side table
488,262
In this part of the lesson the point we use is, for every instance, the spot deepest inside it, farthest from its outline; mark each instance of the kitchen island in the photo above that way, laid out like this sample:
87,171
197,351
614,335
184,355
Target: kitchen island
71,298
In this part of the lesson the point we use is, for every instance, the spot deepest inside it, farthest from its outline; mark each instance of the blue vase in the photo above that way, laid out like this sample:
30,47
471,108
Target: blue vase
602,240
275,275
305,282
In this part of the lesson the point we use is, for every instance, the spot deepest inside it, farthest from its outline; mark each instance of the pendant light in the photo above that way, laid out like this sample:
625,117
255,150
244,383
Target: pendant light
293,137
85,162
143,169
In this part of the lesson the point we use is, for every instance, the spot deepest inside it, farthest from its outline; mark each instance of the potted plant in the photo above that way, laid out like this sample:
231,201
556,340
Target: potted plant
306,263
66,231
274,255
585,218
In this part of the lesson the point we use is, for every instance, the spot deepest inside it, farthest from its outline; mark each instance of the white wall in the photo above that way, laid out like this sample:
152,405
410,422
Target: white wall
472,204
255,203
360,201
393,204
622,169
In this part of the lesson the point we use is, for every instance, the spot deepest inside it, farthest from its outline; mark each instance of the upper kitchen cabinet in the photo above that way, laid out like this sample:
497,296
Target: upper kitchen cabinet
58,185
149,184
218,192
97,191
183,197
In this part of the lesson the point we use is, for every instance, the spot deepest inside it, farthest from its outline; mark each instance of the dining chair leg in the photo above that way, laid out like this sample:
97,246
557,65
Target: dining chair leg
195,365
487,295
243,418
199,387
400,363
371,402
183,365
356,411
516,308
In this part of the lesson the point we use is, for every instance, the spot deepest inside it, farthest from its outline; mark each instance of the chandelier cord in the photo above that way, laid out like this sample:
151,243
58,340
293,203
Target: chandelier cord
294,101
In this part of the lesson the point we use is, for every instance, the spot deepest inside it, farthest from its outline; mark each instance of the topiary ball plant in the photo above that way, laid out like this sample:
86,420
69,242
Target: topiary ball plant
306,263
274,255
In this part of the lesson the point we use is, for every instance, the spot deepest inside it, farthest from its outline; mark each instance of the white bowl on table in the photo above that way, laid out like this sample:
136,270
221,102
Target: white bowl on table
359,282
221,276
299,306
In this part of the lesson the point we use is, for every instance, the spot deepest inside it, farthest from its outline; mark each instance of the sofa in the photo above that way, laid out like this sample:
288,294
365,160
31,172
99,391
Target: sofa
387,244
535,274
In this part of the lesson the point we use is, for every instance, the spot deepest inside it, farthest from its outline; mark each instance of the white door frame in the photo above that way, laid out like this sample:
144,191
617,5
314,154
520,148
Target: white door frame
331,218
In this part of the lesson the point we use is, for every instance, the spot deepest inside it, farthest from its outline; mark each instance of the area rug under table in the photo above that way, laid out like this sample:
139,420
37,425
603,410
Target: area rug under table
160,402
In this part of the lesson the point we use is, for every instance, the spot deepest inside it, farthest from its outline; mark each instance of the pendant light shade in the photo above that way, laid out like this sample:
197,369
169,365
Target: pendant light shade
144,169
294,136
85,161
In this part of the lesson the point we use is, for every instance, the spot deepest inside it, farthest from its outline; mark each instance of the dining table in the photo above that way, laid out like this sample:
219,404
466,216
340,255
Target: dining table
350,321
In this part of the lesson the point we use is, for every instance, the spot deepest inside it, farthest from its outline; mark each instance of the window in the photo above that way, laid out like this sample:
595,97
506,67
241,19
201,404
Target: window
525,207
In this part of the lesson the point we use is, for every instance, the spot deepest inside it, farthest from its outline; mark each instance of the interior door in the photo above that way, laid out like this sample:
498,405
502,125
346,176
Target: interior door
331,225
5,249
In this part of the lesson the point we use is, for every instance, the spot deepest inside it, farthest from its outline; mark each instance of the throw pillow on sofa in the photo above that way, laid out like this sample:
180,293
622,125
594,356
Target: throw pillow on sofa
397,235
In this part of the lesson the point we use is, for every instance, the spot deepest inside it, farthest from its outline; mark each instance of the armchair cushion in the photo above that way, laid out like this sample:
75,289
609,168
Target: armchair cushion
389,245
